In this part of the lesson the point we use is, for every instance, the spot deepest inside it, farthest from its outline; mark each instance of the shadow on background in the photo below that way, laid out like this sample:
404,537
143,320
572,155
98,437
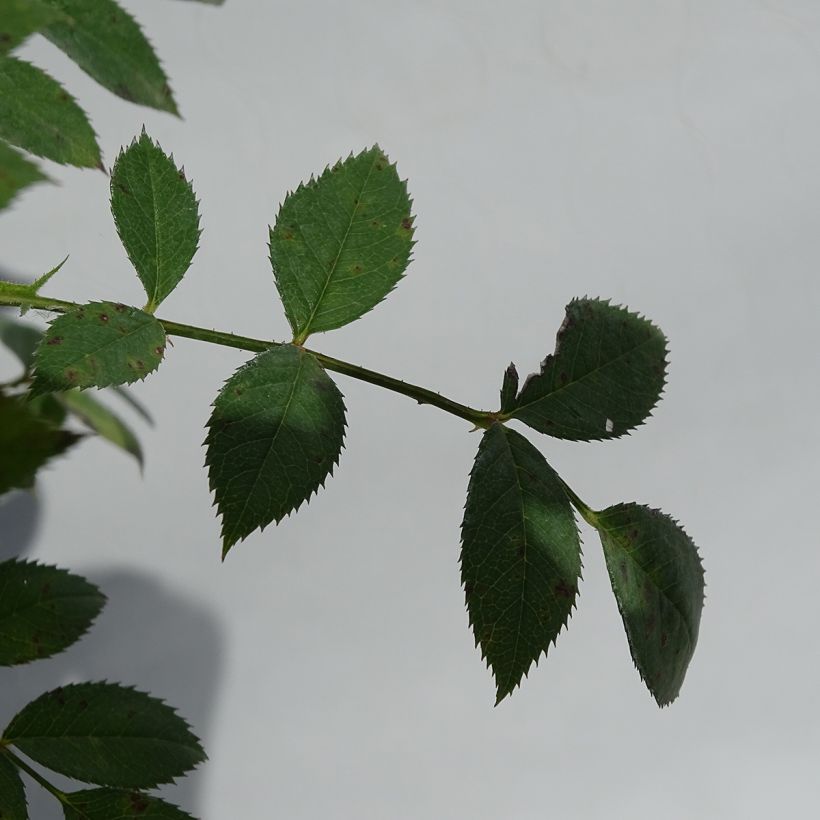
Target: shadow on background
147,636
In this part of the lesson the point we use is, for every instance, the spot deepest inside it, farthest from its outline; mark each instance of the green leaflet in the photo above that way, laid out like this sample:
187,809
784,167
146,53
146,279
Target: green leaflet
27,442
107,43
155,211
43,610
98,345
19,19
520,555
509,388
16,173
606,375
276,431
657,577
102,421
12,792
112,804
106,734
341,243
39,115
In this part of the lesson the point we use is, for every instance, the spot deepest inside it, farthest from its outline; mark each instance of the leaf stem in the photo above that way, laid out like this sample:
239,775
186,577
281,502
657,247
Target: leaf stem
587,513
480,418
23,766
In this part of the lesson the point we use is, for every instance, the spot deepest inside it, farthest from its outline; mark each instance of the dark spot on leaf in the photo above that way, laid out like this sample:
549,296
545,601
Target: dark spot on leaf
55,340
407,223
565,590
357,268
664,640
138,802
119,307
563,378
122,90
71,375
159,351
103,317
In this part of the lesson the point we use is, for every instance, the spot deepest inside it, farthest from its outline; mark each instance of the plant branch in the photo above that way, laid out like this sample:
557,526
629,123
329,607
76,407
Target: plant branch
23,766
480,418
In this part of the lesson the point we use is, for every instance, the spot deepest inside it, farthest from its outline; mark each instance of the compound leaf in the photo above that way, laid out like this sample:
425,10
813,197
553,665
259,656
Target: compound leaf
19,19
16,173
520,555
276,431
102,421
606,375
40,116
341,243
27,442
106,734
12,792
657,577
115,804
155,211
98,345
43,610
107,43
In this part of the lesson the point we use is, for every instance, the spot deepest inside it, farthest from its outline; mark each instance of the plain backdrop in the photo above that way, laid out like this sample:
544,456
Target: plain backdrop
662,153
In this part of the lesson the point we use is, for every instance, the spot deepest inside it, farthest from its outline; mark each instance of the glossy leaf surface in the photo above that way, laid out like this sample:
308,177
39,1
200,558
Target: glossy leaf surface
43,610
657,577
341,243
276,431
106,734
40,116
156,214
520,555
98,345
18,20
107,43
114,804
606,375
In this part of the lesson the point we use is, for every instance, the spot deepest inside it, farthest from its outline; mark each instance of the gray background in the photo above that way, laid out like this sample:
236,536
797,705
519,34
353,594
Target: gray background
663,154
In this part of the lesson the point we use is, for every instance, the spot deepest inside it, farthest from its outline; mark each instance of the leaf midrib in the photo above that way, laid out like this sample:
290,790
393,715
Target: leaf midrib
574,382
305,331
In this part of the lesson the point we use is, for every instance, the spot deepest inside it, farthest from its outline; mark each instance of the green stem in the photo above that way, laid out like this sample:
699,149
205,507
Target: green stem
480,418
23,766
587,513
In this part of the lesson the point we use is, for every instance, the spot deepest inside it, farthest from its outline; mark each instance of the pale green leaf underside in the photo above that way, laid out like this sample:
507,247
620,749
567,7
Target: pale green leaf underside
43,610
156,214
12,792
40,116
657,578
114,804
107,43
98,345
16,173
341,243
102,421
27,442
106,734
19,19
276,431
606,375
520,555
